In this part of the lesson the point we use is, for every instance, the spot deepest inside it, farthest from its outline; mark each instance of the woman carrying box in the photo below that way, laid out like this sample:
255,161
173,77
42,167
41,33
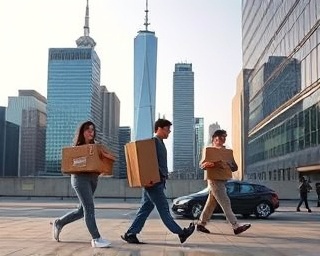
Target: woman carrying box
84,184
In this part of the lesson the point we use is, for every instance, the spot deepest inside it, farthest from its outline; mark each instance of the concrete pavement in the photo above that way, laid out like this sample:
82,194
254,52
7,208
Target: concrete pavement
278,235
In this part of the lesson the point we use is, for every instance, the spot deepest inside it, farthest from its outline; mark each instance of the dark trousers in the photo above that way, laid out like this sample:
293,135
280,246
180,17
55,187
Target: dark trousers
303,198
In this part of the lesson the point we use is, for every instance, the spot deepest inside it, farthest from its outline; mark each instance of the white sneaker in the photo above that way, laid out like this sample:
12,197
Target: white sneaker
100,242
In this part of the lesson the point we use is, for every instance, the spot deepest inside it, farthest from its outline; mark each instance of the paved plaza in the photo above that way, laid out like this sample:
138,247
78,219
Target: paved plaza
25,230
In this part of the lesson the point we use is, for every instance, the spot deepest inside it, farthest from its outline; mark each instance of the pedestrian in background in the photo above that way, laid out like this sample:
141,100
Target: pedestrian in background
217,189
155,196
304,189
84,184
318,193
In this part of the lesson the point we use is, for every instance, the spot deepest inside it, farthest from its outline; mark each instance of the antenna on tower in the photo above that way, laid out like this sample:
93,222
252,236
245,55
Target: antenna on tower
146,24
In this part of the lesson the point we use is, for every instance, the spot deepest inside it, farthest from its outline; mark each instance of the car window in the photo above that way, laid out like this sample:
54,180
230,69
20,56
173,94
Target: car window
246,188
230,187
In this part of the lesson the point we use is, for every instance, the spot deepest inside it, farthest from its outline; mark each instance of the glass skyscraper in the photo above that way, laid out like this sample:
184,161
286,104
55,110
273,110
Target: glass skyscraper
183,118
145,69
73,95
28,111
281,48
199,143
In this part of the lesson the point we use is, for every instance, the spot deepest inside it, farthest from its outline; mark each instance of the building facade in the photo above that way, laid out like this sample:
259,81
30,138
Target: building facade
145,71
280,44
183,118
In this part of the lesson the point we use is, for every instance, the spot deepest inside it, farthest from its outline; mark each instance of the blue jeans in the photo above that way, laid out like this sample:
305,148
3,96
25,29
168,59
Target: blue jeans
154,196
84,186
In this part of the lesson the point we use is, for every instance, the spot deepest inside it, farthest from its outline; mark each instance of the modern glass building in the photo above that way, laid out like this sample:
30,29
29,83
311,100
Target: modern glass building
145,71
28,111
183,118
280,44
199,143
73,95
9,146
124,138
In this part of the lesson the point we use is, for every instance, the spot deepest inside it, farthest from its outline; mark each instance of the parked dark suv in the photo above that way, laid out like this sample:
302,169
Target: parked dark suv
246,199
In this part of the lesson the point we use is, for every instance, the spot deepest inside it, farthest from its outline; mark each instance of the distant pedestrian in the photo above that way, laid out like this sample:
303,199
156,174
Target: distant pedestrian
318,193
304,188
154,196
217,189
84,184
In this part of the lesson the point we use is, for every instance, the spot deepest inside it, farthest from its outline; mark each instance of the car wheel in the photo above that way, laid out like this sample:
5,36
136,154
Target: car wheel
263,210
196,210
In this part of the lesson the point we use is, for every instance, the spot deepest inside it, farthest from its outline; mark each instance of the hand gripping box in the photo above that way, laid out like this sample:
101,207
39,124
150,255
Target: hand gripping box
222,171
85,158
142,163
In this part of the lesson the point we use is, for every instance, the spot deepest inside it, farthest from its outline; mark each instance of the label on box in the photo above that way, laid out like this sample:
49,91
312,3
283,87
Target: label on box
80,161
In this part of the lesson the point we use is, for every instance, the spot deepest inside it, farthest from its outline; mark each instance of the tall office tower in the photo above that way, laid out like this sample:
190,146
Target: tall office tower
33,142
73,95
124,138
110,118
28,101
145,69
110,122
9,146
199,143
183,118
212,128
280,43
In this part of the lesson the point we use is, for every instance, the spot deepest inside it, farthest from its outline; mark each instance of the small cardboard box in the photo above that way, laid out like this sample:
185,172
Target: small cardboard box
85,158
222,171
142,163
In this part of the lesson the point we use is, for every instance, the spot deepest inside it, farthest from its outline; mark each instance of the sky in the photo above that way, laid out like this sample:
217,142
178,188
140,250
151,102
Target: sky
206,33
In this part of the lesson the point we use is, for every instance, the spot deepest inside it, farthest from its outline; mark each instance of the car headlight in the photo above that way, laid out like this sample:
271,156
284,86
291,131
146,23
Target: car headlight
183,201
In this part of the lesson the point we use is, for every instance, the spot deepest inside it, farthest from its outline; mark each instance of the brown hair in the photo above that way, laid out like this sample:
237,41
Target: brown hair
79,138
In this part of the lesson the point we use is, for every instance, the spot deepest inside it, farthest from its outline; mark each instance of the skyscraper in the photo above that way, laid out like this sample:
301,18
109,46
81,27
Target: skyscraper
124,138
28,110
9,146
183,118
73,95
212,128
145,67
199,143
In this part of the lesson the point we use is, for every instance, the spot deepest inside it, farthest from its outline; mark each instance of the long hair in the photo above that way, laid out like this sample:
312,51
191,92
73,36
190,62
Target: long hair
79,138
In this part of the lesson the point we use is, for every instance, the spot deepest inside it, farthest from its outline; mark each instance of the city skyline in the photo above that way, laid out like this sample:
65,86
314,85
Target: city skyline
214,51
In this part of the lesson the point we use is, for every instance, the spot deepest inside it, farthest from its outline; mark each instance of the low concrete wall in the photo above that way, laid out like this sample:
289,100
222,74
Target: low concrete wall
116,188
108,187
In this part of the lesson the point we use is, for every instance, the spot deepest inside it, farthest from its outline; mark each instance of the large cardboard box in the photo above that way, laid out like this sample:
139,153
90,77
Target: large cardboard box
142,163
222,171
85,158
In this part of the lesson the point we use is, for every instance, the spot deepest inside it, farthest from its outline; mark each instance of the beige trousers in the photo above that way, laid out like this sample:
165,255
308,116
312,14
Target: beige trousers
217,194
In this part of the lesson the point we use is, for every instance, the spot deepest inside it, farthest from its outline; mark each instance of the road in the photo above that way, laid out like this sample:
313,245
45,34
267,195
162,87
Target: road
25,230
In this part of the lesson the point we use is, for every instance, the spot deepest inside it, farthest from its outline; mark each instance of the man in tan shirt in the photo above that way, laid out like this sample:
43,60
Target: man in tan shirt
218,172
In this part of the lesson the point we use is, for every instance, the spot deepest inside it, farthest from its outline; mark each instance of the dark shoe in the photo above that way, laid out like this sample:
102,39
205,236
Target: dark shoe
130,238
298,210
56,229
309,210
203,229
241,229
186,233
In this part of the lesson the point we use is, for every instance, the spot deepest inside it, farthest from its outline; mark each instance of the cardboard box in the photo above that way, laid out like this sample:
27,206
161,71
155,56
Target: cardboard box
142,163
212,154
222,171
85,158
